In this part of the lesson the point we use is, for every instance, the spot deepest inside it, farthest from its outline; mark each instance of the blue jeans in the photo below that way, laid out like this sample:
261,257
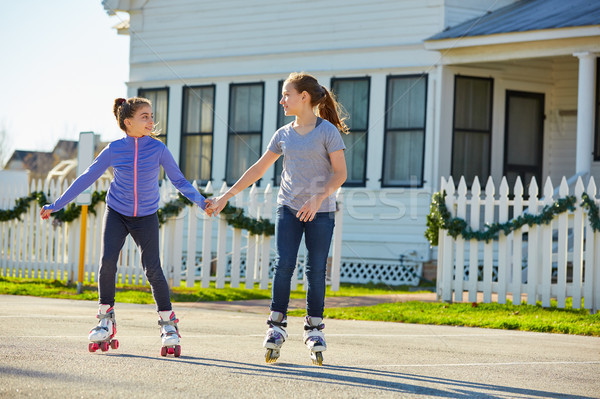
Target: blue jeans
144,231
317,238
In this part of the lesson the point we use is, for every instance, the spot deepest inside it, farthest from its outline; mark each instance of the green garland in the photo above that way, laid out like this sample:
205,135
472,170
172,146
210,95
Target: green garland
234,216
440,218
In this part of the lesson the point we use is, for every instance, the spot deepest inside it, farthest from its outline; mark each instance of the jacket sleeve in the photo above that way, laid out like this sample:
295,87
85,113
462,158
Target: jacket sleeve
91,174
179,181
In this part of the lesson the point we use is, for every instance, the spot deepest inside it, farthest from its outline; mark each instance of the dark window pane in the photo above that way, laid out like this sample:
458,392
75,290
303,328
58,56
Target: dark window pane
472,102
282,120
245,116
353,94
356,152
403,165
160,106
246,108
196,142
199,109
242,153
471,156
198,157
405,131
406,103
472,128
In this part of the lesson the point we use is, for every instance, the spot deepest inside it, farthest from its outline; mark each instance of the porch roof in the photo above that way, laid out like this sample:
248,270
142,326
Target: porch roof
528,15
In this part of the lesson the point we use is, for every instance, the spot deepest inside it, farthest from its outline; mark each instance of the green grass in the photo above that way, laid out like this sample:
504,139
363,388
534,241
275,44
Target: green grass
491,315
142,294
511,317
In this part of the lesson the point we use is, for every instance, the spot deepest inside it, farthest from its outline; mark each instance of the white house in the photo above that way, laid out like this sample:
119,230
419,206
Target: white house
434,88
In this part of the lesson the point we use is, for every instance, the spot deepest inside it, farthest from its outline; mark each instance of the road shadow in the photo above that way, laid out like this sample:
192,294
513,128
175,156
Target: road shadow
367,378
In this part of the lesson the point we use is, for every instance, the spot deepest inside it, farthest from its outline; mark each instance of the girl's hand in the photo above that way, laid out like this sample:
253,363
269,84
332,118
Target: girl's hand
217,205
208,207
309,209
45,213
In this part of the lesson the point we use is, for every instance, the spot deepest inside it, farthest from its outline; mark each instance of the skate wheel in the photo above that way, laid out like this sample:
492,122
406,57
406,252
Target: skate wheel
177,351
163,351
104,346
114,344
93,347
271,356
317,358
171,351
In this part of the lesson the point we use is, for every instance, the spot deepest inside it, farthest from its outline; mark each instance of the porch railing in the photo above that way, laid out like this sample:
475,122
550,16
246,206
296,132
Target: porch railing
555,260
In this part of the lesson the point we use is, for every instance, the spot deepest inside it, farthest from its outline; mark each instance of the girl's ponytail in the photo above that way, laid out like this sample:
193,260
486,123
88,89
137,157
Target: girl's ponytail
333,111
327,106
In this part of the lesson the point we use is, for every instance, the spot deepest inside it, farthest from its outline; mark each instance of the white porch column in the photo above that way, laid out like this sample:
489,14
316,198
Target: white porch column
174,122
585,111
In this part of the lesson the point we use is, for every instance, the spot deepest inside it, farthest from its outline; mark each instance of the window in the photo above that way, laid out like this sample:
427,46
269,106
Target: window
353,94
404,143
245,128
197,133
160,108
597,131
472,128
282,120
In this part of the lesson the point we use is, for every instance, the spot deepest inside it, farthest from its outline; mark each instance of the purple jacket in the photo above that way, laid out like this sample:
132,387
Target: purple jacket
134,190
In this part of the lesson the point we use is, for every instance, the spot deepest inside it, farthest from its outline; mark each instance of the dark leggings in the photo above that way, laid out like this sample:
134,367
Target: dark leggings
144,231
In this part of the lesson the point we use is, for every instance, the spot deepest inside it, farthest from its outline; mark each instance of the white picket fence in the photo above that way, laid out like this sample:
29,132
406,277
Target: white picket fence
542,262
32,248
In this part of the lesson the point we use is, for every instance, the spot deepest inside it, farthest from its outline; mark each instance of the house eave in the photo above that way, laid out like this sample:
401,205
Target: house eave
513,37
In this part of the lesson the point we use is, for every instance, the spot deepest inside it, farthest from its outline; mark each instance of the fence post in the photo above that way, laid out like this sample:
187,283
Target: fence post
447,273
517,243
563,232
578,223
336,254
488,247
532,246
265,255
236,250
206,246
251,252
221,246
461,212
503,263
474,244
590,255
547,247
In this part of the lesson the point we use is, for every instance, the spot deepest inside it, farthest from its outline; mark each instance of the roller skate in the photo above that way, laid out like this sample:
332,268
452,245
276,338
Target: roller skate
169,333
314,338
101,335
275,337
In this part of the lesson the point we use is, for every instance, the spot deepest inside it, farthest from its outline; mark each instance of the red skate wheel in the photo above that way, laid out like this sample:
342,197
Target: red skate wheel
114,344
104,346
93,347
177,351
171,351
163,351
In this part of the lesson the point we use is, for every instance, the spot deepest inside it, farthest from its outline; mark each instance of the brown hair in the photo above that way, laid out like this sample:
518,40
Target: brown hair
126,108
326,103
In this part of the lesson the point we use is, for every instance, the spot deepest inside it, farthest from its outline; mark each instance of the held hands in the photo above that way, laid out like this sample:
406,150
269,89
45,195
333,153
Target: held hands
214,206
309,209
45,213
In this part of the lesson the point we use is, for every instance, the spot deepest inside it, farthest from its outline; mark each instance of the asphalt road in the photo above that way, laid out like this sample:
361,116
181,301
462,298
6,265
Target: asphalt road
43,353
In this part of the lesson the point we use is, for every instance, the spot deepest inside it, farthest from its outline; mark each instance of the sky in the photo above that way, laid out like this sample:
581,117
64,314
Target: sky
62,65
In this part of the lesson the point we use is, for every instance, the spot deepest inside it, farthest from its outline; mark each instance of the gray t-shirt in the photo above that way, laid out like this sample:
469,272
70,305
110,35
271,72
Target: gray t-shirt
306,164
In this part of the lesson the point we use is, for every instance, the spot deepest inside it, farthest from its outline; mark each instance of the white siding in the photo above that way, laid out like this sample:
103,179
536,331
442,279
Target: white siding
181,39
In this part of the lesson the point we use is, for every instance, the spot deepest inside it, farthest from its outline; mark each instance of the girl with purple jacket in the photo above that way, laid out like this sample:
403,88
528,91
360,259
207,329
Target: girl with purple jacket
131,208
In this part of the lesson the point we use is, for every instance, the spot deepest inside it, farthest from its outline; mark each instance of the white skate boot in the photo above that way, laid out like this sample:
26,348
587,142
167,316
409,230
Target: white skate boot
169,333
101,335
275,337
314,338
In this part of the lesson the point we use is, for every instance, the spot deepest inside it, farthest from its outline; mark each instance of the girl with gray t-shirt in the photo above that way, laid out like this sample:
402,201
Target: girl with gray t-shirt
314,168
